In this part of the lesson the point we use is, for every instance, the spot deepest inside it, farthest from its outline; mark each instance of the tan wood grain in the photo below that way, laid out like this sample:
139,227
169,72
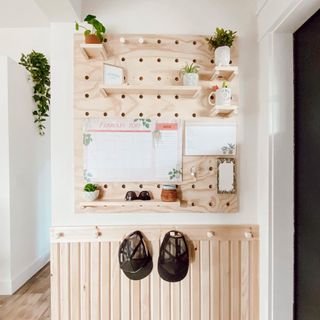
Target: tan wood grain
75,302
150,77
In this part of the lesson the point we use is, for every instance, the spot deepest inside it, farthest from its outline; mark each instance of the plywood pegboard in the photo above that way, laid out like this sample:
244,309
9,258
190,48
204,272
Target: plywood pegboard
156,63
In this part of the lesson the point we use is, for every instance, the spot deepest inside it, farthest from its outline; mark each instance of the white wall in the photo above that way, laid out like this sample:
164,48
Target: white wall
25,208
154,17
5,271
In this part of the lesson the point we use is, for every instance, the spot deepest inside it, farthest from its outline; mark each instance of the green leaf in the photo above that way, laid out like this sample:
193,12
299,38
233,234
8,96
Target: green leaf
87,32
89,17
77,26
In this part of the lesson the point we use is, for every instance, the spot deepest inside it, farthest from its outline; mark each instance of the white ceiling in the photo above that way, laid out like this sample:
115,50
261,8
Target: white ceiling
21,13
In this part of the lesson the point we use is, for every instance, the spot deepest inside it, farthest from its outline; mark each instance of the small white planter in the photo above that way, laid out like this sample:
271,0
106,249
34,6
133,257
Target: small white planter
222,56
222,97
190,79
90,196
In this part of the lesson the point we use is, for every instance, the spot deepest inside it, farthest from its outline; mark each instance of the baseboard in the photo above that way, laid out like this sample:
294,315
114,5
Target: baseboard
11,286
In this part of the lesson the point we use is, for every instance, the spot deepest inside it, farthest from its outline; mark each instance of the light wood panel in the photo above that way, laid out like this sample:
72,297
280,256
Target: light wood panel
152,72
222,282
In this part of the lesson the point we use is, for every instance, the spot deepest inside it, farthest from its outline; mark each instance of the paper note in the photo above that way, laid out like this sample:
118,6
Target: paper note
210,138
132,150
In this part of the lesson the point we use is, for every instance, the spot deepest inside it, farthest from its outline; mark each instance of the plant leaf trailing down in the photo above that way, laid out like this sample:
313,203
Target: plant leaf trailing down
37,65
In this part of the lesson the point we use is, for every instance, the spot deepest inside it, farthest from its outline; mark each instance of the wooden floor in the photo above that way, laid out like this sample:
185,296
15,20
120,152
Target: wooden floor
31,302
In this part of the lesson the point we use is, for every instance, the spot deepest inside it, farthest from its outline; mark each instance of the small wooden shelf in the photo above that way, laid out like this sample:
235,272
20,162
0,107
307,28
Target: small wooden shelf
186,91
224,110
94,51
221,73
134,203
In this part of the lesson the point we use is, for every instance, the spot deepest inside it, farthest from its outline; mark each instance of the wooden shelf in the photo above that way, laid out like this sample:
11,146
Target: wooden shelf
134,203
186,91
224,110
221,73
94,51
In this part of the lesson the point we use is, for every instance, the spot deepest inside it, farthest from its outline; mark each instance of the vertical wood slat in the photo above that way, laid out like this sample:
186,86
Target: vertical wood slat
55,281
186,297
95,280
75,281
115,282
65,280
215,279
105,281
85,280
244,280
221,284
235,280
225,280
205,279
155,285
195,283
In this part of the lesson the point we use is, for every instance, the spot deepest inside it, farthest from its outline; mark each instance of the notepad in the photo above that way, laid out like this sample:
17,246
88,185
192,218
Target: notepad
210,138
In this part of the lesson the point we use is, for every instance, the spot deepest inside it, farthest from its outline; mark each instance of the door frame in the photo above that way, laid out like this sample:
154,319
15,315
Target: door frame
277,220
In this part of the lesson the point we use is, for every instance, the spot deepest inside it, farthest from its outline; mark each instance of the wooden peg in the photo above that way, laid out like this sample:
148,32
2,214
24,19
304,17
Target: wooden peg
141,40
210,234
248,235
122,40
59,235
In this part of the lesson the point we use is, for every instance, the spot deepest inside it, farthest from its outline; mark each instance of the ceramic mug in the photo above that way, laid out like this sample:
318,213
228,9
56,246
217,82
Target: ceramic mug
222,97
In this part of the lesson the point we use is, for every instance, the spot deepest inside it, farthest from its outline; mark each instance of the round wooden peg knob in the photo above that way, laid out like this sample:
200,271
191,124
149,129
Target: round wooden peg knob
248,235
210,234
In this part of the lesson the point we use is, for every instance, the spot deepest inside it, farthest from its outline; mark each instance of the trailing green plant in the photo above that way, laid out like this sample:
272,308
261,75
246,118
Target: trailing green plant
97,27
190,68
89,187
174,173
221,38
38,66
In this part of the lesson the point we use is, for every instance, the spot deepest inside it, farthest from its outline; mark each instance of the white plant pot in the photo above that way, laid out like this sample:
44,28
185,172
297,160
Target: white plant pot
222,97
222,56
90,196
190,79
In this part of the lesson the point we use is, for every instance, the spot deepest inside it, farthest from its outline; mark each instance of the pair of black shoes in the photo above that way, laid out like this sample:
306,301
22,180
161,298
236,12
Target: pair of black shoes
136,261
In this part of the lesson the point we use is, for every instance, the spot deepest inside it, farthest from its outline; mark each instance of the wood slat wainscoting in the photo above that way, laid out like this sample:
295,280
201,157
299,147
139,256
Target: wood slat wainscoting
222,282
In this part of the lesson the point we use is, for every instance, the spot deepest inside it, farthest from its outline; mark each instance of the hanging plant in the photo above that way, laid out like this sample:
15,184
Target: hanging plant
37,65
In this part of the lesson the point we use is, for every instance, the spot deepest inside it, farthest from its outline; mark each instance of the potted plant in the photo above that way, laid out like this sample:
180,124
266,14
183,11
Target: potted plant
221,42
190,75
222,96
90,192
95,35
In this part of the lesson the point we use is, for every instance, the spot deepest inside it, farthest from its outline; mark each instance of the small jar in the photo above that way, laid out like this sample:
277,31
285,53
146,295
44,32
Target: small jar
169,193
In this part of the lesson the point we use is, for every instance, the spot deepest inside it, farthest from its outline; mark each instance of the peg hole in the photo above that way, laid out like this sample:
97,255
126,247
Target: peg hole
176,60
158,96
228,204
193,186
140,186
176,115
212,61
158,186
159,59
87,95
105,186
194,60
105,114
87,113
192,204
123,114
176,78
210,204
210,186
159,78
140,96
176,42
194,115
210,168
123,186
123,59
141,60
140,114
176,96
140,78
86,77
194,43
123,96
159,114
159,41
105,40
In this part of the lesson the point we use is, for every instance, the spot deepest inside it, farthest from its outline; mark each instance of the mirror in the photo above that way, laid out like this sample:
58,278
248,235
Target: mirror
226,175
